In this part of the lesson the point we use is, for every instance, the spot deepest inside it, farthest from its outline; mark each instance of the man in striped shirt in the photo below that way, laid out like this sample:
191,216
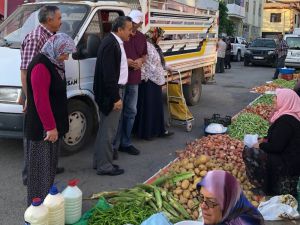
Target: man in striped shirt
50,22
281,51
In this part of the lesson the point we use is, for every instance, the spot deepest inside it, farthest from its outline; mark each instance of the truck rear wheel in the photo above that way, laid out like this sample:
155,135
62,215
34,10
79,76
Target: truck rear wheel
80,127
192,92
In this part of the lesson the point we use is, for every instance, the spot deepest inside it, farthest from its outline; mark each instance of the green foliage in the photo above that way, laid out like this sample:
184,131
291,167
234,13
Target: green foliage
225,24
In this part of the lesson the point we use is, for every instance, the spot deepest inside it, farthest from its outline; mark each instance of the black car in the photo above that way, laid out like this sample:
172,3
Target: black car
261,52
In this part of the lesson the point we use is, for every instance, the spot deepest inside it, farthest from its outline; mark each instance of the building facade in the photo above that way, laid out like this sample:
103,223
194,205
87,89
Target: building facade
236,13
252,23
280,17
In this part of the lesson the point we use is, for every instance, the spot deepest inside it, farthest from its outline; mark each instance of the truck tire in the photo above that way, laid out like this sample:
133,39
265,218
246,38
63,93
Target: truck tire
192,92
81,127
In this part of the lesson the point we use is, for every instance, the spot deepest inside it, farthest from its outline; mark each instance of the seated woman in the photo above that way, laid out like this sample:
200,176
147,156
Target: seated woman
274,165
222,201
149,121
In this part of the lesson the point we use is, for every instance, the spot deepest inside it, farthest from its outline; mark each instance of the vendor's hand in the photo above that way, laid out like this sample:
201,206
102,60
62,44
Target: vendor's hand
51,135
139,63
25,106
132,63
118,105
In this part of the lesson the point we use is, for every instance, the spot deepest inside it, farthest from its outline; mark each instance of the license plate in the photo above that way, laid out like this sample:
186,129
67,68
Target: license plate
258,57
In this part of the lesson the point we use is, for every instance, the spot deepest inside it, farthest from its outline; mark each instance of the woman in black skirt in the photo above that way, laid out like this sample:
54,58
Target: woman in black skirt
149,121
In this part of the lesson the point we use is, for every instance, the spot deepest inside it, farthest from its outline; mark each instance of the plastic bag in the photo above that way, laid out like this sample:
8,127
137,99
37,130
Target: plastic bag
250,140
279,208
102,204
157,219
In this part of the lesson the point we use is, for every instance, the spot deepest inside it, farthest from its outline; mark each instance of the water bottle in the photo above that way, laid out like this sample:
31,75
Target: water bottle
298,194
73,202
36,213
55,204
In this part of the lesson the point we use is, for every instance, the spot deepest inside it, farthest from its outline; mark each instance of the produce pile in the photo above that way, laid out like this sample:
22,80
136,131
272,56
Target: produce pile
248,123
278,83
265,111
285,84
266,99
185,191
267,87
133,206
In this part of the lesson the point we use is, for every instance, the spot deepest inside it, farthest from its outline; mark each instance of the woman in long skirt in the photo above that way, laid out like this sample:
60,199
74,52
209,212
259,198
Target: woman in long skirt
46,118
149,121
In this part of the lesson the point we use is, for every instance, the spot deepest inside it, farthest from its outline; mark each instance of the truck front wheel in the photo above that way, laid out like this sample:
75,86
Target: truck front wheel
80,127
192,92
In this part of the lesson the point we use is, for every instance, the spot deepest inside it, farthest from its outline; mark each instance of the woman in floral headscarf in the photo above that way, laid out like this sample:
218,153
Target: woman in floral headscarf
273,166
149,121
222,201
46,119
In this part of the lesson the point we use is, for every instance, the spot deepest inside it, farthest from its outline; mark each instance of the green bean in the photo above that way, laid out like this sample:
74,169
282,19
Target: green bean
248,123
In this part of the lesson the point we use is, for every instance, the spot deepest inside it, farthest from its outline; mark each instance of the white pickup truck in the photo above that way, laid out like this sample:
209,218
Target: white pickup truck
238,48
190,47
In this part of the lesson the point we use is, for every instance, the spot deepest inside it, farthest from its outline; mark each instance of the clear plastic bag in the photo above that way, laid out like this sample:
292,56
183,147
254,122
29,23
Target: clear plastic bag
250,140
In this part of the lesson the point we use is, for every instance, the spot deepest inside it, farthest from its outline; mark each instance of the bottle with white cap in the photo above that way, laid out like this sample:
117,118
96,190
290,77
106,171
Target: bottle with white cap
55,204
73,202
36,213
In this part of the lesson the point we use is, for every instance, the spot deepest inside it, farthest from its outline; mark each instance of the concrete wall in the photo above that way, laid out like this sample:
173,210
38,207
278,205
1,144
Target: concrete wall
253,19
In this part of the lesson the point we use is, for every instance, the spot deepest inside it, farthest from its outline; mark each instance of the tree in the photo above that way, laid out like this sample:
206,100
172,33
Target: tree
225,24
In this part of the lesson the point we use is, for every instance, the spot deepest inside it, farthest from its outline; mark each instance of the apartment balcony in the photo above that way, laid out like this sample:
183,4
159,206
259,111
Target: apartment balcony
236,11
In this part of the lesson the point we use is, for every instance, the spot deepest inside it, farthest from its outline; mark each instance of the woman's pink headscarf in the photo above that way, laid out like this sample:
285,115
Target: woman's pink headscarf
288,103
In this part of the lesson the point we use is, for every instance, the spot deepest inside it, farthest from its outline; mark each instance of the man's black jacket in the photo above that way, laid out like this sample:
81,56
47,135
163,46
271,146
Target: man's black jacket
107,73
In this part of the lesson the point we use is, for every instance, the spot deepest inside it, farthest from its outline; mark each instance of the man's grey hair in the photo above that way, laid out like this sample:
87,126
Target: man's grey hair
47,11
120,22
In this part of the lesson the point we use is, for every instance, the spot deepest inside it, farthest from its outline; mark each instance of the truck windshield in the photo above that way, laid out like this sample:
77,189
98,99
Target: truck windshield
263,43
293,42
14,29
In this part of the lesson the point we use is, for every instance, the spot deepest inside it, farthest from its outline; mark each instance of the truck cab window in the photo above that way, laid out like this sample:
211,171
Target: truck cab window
98,28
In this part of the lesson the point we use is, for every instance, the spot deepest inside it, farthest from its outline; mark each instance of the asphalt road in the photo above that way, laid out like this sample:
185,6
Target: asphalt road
227,96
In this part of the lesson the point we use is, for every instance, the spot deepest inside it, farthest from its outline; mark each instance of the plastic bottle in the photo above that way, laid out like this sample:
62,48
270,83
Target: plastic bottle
298,194
36,213
55,204
73,202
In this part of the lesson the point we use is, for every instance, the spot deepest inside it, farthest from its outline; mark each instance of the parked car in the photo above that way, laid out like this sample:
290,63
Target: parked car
238,48
293,56
261,52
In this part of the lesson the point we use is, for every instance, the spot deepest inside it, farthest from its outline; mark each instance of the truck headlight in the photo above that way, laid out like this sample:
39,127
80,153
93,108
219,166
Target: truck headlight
270,52
248,52
9,94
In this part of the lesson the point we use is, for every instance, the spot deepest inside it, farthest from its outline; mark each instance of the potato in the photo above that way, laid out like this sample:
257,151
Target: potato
177,191
190,204
195,214
203,173
189,166
194,193
202,167
185,184
189,211
182,200
184,162
186,194
197,171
